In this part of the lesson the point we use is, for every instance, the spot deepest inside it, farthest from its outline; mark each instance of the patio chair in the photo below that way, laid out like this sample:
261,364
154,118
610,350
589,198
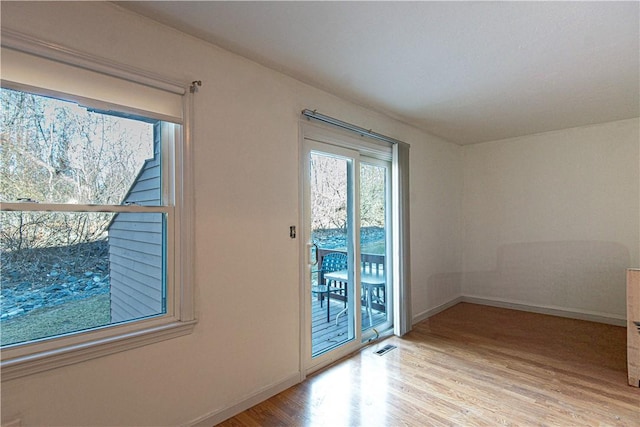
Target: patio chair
333,261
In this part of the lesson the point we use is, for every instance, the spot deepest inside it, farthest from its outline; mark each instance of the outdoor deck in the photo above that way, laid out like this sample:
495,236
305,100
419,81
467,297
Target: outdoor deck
326,334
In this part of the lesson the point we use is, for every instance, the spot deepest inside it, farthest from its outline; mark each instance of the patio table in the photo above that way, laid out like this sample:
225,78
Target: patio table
367,280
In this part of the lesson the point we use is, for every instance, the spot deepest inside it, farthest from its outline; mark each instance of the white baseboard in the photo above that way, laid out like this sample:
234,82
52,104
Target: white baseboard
551,310
609,319
428,313
219,416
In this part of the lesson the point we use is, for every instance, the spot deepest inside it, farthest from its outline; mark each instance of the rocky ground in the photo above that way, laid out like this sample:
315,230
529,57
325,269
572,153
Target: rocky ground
42,278
336,239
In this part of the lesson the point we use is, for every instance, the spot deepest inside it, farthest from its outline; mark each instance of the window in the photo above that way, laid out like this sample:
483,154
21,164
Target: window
94,219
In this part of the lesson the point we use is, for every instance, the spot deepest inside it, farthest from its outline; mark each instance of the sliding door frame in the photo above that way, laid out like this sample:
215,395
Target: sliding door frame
351,342
370,148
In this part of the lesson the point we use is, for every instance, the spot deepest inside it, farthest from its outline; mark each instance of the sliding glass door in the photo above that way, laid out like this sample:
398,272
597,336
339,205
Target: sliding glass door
347,289
375,244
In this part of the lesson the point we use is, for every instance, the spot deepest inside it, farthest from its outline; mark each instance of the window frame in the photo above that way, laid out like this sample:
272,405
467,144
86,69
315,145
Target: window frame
22,359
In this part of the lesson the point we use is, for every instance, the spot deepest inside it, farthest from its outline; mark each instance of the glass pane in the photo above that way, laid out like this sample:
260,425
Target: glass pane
332,323
64,272
373,185
55,151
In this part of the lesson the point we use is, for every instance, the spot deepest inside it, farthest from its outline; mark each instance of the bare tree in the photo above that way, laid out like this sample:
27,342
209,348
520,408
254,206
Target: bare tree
372,196
328,192
57,152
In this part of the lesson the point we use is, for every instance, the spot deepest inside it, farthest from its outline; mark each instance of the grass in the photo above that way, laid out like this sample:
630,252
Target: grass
47,322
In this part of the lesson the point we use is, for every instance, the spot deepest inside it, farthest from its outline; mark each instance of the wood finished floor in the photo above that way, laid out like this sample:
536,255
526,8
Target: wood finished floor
470,365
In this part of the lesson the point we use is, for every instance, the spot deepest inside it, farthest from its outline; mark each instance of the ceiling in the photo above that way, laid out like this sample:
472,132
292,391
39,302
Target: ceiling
466,71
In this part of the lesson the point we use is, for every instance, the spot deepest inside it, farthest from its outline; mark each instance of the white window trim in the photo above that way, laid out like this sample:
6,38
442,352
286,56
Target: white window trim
30,358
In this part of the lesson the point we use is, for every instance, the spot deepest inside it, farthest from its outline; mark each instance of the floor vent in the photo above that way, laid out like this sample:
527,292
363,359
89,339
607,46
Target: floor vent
385,349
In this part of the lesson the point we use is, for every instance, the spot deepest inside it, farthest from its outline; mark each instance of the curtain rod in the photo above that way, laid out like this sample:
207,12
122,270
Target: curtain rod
312,114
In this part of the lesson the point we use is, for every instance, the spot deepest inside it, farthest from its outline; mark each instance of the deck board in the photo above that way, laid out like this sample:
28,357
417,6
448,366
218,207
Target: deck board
326,335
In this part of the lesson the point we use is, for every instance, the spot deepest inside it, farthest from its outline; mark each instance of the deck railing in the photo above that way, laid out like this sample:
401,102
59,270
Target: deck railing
370,264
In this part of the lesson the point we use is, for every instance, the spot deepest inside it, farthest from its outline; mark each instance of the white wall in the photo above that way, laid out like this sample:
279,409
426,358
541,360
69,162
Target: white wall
436,227
246,266
552,220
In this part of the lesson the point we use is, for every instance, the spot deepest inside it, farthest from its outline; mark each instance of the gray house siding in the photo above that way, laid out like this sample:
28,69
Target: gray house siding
136,259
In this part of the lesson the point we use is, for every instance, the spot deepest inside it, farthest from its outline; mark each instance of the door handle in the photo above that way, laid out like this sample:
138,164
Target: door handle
315,262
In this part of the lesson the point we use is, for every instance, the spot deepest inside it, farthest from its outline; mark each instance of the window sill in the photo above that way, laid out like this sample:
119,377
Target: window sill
45,360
